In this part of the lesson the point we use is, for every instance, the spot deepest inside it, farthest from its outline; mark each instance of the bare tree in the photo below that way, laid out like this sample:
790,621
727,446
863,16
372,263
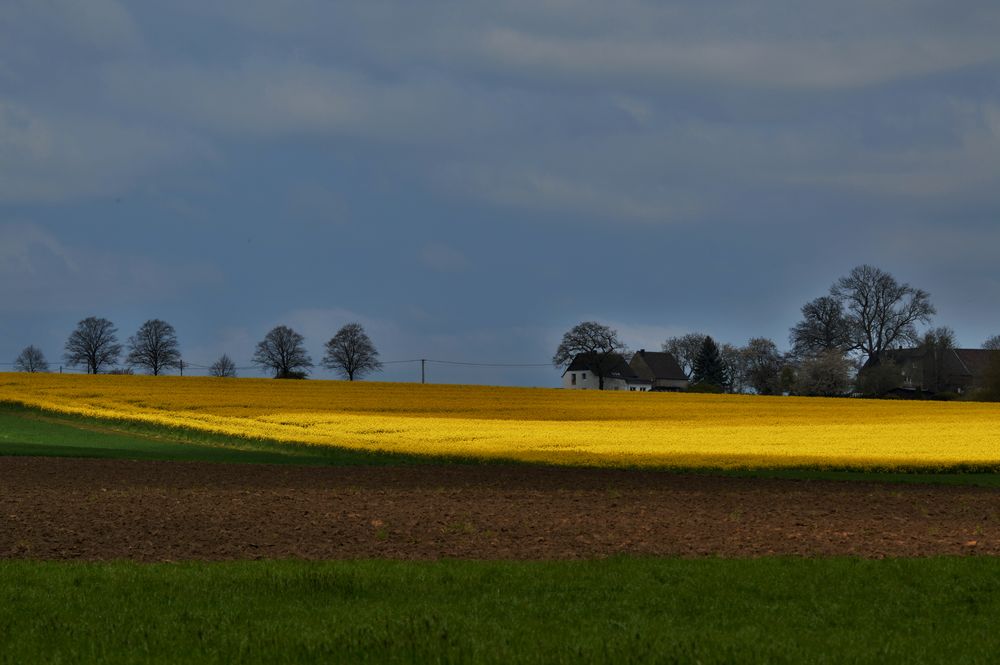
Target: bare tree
882,313
598,342
824,327
281,351
685,350
223,367
93,344
351,353
762,366
154,346
734,360
992,344
31,359
936,345
825,375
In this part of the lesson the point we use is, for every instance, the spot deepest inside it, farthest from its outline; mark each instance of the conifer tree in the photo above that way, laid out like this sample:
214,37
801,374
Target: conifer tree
709,370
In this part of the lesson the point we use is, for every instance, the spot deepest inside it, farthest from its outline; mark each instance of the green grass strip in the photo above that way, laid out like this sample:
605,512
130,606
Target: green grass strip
620,611
28,431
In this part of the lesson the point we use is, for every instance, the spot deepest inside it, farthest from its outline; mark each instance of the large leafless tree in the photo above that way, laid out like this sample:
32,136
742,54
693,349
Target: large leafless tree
154,347
824,328
882,313
597,342
31,360
281,352
351,353
94,344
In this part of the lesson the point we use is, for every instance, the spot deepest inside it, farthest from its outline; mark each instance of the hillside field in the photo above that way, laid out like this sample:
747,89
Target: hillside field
541,425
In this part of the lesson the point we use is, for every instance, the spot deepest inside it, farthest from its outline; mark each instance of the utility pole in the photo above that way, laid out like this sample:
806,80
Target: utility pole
423,372
182,366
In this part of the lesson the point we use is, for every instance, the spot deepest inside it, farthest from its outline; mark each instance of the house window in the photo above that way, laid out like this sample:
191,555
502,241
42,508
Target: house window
572,378
583,377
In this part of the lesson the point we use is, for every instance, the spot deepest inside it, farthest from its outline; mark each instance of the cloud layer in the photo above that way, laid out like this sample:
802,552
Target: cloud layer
493,166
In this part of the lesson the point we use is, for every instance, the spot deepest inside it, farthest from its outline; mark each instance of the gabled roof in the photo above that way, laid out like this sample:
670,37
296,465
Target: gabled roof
957,362
975,361
614,364
657,365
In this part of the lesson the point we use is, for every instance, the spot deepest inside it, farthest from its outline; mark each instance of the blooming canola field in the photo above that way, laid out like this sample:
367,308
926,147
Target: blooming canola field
541,425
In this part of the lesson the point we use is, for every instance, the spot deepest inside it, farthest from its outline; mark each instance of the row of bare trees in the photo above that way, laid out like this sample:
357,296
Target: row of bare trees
94,346
350,353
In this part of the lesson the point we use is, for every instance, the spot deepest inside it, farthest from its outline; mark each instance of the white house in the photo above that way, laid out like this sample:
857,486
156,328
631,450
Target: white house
581,375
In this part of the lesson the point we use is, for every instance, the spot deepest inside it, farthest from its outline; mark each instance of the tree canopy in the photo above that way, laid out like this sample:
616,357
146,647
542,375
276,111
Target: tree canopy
709,368
154,347
281,351
881,312
31,360
685,350
224,367
762,366
93,344
824,327
599,343
351,353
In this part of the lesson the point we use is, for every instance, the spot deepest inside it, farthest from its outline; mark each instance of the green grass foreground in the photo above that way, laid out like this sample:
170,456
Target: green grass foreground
620,610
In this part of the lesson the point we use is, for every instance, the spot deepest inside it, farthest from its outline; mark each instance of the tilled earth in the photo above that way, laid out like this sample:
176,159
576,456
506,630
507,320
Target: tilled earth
57,508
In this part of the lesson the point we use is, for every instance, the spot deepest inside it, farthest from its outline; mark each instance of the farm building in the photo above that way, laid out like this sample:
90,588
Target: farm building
646,371
583,374
660,368
924,372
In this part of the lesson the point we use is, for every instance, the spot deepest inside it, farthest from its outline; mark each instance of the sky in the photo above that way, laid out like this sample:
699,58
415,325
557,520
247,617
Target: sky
469,179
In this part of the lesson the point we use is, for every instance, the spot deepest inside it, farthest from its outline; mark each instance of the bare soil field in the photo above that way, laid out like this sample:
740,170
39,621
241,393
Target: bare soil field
82,509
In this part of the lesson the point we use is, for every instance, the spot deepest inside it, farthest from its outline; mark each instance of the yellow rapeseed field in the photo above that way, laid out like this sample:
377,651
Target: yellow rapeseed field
559,426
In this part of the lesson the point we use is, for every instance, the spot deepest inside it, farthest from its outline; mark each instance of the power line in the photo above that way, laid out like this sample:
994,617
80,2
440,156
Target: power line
455,362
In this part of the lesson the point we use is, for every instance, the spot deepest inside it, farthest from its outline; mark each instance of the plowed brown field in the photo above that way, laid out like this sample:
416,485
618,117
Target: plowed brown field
55,508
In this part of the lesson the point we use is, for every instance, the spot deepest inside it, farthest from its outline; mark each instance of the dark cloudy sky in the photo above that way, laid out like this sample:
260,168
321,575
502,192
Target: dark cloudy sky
470,178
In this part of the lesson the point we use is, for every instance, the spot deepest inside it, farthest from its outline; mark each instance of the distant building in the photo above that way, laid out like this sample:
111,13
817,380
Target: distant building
660,368
581,374
924,374
646,371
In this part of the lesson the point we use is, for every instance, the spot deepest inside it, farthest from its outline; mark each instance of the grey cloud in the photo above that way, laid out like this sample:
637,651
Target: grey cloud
800,64
52,156
40,272
522,186
280,97
776,44
443,258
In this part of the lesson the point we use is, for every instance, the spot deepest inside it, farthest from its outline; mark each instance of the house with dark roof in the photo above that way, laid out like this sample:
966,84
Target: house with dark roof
585,371
660,368
925,372
646,371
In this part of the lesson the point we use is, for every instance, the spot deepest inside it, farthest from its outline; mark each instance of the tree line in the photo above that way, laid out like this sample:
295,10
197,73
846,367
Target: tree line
94,345
865,314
